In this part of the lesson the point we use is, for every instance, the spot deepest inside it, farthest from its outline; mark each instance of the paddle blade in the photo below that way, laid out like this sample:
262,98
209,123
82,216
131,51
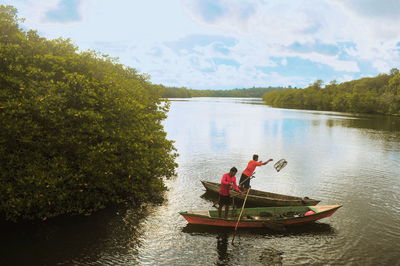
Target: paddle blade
280,164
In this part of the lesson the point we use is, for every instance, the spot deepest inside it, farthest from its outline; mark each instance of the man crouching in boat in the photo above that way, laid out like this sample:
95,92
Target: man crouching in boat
228,180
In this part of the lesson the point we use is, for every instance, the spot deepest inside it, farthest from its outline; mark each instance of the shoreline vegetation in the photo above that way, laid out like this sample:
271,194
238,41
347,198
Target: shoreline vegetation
173,92
372,95
78,130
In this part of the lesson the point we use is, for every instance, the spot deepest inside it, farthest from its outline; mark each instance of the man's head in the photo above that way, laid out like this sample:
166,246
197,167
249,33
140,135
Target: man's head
255,157
233,171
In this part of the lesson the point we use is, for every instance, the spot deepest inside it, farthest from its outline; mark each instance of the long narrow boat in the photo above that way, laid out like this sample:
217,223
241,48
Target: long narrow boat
262,216
262,198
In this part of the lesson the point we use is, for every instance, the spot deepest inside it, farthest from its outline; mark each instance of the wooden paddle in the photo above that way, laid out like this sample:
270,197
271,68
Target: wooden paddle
233,196
240,215
249,177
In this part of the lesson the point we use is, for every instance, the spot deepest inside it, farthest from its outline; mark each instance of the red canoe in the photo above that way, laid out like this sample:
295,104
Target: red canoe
262,216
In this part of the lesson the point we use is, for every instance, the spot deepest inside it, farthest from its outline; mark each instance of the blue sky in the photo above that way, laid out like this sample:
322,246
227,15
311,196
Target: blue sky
226,44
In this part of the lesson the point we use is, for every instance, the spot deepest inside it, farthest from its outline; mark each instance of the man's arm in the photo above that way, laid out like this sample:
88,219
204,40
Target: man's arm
264,163
235,185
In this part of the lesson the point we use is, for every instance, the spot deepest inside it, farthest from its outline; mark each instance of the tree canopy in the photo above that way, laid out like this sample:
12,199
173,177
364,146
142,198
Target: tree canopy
78,130
375,95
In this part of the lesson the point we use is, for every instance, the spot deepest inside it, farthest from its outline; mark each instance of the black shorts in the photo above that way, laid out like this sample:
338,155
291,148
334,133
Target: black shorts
224,200
245,184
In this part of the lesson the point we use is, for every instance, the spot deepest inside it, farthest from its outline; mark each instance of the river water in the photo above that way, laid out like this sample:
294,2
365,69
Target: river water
341,158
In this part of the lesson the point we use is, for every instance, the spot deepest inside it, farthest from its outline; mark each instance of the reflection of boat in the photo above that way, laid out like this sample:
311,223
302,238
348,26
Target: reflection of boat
319,228
269,217
262,198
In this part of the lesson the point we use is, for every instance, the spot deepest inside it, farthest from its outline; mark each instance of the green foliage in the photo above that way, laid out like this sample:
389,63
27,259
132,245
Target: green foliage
172,92
239,93
379,95
78,130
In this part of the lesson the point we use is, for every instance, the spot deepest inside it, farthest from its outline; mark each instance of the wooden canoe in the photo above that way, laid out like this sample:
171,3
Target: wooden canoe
261,217
262,198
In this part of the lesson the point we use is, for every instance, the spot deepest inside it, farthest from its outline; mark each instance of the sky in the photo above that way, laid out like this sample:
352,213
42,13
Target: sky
228,44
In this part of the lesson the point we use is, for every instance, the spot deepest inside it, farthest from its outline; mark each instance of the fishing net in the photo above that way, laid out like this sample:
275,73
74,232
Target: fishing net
280,164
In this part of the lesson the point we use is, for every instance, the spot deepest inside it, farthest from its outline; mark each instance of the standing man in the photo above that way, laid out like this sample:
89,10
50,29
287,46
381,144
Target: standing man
228,180
248,172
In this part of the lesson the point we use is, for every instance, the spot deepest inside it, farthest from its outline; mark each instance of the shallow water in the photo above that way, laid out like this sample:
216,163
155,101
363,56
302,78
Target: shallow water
341,158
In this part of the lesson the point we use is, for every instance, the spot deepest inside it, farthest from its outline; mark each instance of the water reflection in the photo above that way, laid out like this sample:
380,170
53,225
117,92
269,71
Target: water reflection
232,253
73,240
313,228
222,247
257,101
271,256
386,123
366,121
360,121
259,246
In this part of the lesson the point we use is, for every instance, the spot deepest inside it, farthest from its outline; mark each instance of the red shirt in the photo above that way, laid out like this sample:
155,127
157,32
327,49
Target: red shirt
225,181
251,166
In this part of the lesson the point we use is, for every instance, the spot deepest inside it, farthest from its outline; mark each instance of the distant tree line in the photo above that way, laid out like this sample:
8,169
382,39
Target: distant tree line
78,130
374,95
250,92
172,92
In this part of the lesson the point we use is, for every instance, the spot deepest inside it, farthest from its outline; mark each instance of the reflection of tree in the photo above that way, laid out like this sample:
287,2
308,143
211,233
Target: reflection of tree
222,248
374,122
73,240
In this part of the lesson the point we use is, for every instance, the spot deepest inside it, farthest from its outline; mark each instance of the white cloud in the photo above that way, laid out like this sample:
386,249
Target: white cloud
332,61
381,65
284,22
142,34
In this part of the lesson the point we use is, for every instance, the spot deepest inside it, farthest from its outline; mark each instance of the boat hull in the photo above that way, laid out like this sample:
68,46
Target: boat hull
261,198
201,218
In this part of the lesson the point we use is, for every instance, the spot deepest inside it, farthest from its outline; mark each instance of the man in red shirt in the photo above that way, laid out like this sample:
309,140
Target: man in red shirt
228,180
248,172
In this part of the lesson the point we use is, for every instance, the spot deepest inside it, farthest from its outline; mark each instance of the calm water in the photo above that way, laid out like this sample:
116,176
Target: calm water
334,157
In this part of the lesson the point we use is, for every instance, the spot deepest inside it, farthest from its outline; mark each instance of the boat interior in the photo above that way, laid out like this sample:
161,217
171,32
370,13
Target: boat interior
262,213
